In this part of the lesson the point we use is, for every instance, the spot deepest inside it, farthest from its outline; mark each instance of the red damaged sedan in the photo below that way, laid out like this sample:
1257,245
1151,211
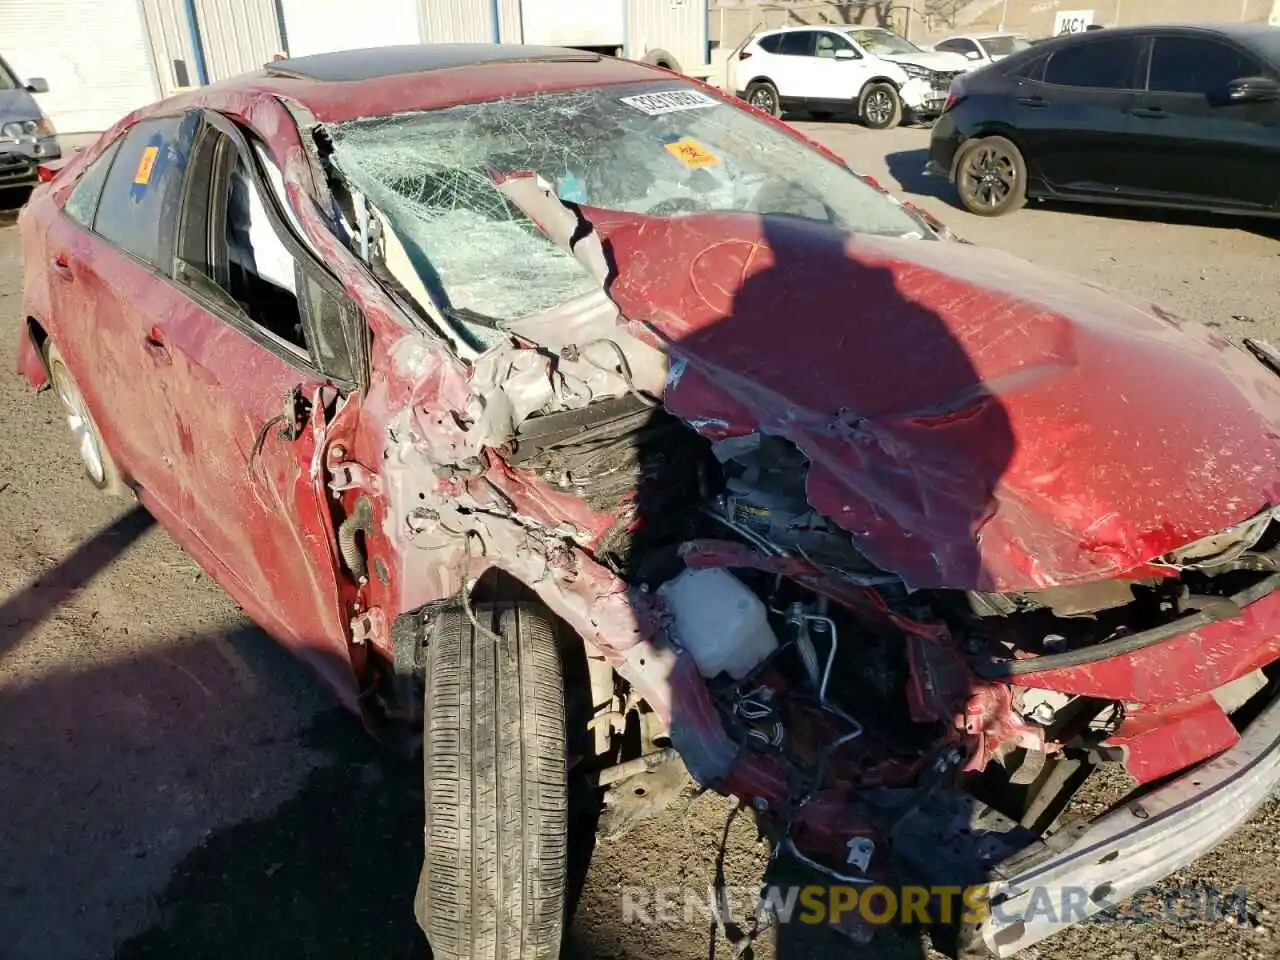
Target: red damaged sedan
575,420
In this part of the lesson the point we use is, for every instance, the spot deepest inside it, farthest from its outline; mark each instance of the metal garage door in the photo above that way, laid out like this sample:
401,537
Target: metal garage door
318,26
94,53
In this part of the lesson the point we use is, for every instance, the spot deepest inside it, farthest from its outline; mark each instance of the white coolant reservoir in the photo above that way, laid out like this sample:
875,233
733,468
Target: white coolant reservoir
722,624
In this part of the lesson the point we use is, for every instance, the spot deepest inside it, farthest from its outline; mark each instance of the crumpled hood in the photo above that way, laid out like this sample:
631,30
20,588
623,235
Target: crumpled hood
973,421
932,59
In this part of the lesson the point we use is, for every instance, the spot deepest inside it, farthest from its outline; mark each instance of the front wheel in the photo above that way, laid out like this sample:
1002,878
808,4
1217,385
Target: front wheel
493,879
991,177
763,95
880,107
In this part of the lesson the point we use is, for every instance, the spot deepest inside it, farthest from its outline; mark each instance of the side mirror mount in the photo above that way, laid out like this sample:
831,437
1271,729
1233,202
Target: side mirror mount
1253,90
844,53
37,85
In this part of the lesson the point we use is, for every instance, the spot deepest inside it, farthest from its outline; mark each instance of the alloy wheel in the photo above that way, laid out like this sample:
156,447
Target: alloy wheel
83,433
989,176
879,107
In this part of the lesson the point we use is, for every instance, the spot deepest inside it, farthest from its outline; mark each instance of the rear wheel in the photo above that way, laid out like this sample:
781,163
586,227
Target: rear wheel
98,465
880,107
991,177
763,95
493,880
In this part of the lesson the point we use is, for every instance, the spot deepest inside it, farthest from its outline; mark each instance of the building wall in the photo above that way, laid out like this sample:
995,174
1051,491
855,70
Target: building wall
460,21
1036,17
94,53
322,26
237,35
677,28
171,45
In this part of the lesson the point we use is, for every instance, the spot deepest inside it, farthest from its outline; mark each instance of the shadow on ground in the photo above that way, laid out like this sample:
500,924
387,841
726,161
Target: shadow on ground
907,169
330,874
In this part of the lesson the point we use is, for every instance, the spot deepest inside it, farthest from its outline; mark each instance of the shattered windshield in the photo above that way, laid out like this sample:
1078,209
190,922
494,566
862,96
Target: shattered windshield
662,149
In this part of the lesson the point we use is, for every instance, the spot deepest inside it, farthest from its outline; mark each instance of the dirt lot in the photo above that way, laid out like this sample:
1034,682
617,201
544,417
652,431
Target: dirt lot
174,786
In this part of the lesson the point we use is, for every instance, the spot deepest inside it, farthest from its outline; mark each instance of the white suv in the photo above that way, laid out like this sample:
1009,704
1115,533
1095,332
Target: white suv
831,69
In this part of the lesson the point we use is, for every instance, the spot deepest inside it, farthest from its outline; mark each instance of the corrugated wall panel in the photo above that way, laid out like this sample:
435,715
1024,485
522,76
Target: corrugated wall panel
237,35
576,23
320,26
509,21
457,21
678,27
94,53
171,43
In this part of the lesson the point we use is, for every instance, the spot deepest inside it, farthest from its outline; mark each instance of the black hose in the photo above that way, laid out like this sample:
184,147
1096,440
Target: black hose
360,520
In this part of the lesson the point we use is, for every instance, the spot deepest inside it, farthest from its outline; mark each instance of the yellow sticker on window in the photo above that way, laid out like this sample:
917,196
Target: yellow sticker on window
692,154
145,165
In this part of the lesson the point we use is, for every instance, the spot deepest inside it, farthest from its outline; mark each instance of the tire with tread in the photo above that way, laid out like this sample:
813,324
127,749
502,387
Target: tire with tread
494,874
764,90
874,93
1006,158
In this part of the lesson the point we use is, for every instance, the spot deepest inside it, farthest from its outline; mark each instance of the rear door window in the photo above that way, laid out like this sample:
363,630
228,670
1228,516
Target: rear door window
1196,65
829,43
1102,64
798,43
82,205
138,208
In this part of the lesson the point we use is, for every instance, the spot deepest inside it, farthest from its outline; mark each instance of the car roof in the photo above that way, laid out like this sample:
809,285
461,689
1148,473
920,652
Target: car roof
370,63
335,87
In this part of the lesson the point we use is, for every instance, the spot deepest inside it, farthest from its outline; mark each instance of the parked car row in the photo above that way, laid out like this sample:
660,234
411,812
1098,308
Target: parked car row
880,76
26,136
1176,116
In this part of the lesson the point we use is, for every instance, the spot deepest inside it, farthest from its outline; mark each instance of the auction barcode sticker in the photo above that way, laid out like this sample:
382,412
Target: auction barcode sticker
670,101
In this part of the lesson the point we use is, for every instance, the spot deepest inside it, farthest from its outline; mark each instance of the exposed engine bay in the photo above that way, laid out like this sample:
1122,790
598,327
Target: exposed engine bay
832,666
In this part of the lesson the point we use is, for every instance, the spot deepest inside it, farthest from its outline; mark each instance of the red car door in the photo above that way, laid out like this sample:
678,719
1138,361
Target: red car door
237,374
109,254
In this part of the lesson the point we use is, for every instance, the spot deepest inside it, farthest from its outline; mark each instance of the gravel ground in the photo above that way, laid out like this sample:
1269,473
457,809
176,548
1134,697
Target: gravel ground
175,786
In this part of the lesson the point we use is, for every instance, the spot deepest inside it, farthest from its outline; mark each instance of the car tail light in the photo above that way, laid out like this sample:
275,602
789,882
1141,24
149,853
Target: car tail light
45,174
951,102
744,54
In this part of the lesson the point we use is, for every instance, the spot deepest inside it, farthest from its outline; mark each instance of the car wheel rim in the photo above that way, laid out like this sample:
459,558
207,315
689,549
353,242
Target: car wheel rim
989,176
82,432
879,107
762,100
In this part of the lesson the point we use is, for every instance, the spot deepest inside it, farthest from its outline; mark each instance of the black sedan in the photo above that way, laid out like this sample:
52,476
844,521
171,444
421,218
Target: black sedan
1177,116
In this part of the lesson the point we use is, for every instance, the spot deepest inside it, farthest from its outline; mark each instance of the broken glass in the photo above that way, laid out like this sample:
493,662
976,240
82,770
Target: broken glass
659,148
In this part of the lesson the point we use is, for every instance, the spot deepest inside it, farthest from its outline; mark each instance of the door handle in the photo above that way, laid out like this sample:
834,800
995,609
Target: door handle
155,345
1033,101
62,267
1149,113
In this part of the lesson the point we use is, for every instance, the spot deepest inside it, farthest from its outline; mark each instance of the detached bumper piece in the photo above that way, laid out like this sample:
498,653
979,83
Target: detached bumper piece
1111,858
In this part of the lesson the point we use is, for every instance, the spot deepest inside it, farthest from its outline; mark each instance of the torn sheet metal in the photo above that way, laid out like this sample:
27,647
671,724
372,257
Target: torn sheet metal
974,422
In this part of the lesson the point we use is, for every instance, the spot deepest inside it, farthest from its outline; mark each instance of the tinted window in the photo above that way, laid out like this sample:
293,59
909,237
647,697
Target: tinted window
1195,65
1102,64
829,43
83,202
138,210
798,43
955,46
771,43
